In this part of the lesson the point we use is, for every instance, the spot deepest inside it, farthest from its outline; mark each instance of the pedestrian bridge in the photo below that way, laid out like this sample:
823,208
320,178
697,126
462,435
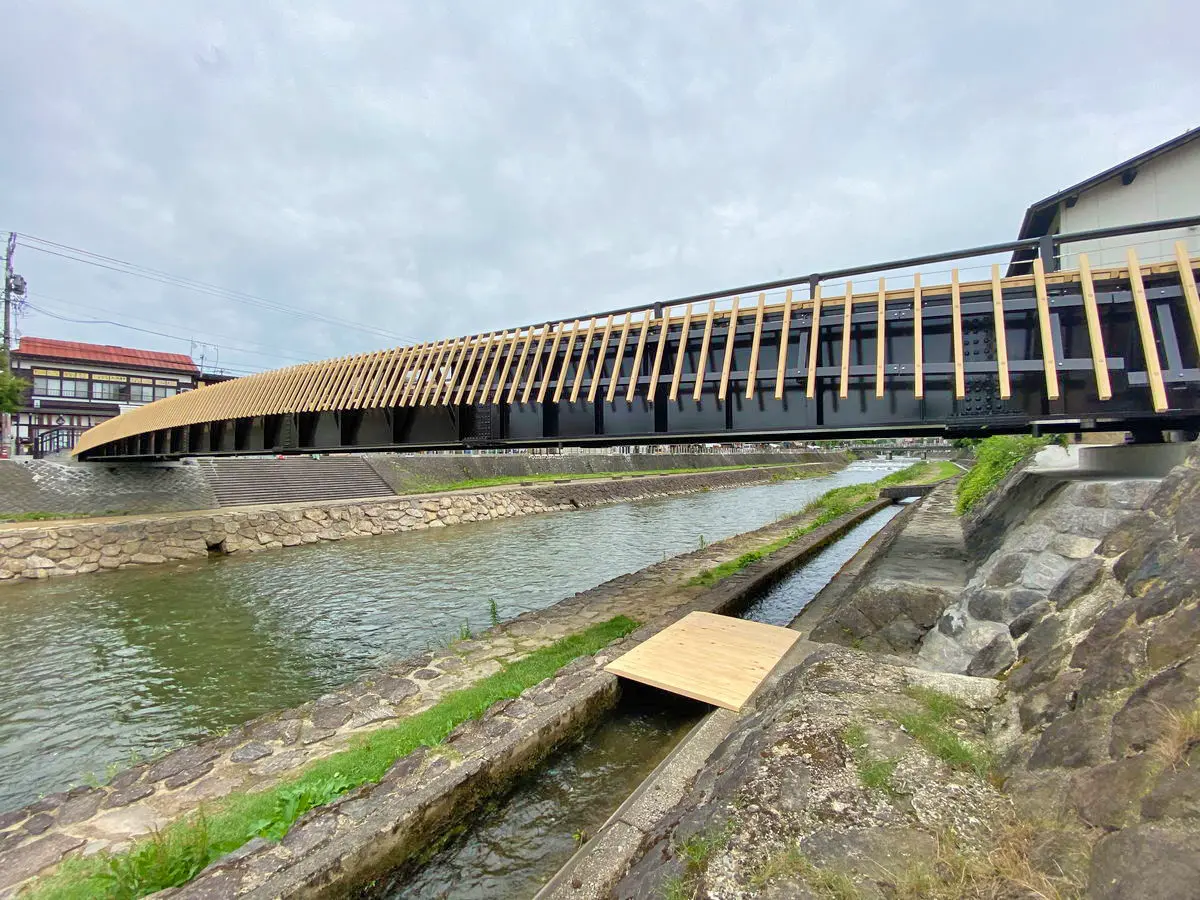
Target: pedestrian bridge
919,353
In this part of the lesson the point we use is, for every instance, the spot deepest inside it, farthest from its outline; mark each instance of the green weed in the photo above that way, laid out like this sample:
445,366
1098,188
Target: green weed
182,849
493,613
789,863
995,457
928,727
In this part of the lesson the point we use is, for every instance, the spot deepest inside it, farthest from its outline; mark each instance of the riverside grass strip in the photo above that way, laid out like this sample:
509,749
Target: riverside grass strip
179,852
829,506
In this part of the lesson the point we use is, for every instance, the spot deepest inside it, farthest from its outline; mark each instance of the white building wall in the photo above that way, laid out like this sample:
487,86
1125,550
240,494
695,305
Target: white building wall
1166,187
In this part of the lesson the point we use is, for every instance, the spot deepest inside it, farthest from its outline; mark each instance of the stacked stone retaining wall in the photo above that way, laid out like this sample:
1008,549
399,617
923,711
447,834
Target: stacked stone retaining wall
98,489
59,549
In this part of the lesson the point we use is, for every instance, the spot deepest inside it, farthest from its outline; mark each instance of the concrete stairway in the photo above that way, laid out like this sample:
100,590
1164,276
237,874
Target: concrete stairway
242,482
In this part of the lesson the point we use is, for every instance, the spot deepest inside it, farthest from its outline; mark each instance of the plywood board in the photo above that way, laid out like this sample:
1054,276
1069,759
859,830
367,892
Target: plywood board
714,659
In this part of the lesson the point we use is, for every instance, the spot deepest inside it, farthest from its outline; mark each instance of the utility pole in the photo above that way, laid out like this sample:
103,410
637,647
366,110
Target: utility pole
12,284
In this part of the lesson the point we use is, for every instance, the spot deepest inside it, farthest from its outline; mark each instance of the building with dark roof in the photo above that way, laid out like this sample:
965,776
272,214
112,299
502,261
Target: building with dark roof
1160,183
74,386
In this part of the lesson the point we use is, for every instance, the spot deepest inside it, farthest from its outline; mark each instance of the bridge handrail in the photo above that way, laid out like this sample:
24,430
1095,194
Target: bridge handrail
1048,244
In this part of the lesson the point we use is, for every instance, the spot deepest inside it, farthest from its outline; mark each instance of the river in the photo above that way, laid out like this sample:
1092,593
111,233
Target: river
101,670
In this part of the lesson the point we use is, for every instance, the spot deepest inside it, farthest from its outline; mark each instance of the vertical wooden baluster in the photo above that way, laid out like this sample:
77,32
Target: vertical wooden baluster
652,388
601,355
583,355
918,339
848,307
880,337
1158,390
727,363
755,344
1045,329
1187,280
619,358
698,390
491,373
814,343
549,376
681,354
960,387
1001,334
483,358
784,334
464,378
566,365
637,356
516,382
537,361
1095,336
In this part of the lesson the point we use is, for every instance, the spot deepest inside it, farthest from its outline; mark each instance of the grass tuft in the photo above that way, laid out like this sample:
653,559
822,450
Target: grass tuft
792,863
874,773
995,457
173,856
928,727
1181,735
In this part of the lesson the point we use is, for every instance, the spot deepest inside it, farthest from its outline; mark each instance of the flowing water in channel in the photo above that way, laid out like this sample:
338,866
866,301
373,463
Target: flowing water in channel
782,602
97,668
522,839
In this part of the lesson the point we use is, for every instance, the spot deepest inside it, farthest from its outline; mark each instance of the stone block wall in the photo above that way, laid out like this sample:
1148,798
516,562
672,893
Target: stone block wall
415,472
73,549
98,489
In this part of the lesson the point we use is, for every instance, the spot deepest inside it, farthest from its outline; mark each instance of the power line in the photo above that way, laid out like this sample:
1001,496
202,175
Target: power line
75,254
53,315
223,337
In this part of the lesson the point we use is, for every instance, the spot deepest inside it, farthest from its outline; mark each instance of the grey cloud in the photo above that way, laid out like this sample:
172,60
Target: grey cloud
441,168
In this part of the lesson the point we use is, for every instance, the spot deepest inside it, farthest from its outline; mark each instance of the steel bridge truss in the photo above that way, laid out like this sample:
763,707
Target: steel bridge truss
1111,348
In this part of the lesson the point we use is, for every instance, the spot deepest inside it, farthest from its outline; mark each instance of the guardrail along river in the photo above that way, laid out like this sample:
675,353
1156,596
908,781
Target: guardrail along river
101,669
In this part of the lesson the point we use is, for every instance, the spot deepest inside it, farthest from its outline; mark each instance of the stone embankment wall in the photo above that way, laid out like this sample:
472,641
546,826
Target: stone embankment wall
59,549
1080,628
97,489
418,471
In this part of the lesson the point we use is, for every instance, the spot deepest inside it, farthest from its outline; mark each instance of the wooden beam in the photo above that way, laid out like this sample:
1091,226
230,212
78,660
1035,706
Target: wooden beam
435,374
512,351
483,358
880,337
704,342
679,357
549,376
956,336
848,307
583,354
464,379
730,337
1001,333
601,355
516,382
814,343
918,339
537,361
566,366
1158,390
755,344
1045,328
1095,334
637,356
784,334
487,383
1187,280
652,388
619,358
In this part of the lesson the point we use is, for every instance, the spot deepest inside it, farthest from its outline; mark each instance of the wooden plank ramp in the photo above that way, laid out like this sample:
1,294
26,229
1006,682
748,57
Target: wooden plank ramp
710,658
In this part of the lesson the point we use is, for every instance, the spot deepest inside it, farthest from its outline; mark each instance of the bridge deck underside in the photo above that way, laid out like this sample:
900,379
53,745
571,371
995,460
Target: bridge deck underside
1058,351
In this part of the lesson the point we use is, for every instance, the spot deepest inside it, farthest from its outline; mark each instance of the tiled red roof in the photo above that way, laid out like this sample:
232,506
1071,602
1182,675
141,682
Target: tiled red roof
106,353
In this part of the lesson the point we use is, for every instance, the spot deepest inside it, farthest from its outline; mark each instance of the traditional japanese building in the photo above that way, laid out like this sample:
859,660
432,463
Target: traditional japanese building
74,386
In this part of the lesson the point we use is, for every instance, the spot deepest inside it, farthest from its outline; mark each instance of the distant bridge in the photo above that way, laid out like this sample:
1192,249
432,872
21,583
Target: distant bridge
1087,349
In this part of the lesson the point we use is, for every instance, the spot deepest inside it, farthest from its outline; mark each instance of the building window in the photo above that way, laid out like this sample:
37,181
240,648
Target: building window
108,390
47,387
161,392
141,393
74,389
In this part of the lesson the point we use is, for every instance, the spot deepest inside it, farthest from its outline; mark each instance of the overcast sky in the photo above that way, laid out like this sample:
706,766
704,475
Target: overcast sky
437,168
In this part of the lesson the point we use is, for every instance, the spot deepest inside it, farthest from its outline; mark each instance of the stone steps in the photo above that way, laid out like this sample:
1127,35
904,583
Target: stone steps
244,482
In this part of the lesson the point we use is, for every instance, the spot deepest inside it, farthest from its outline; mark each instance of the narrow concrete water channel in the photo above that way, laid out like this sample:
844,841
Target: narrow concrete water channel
98,669
522,839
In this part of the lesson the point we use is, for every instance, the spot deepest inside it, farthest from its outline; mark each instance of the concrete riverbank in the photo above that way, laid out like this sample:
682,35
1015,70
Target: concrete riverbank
263,752
45,550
